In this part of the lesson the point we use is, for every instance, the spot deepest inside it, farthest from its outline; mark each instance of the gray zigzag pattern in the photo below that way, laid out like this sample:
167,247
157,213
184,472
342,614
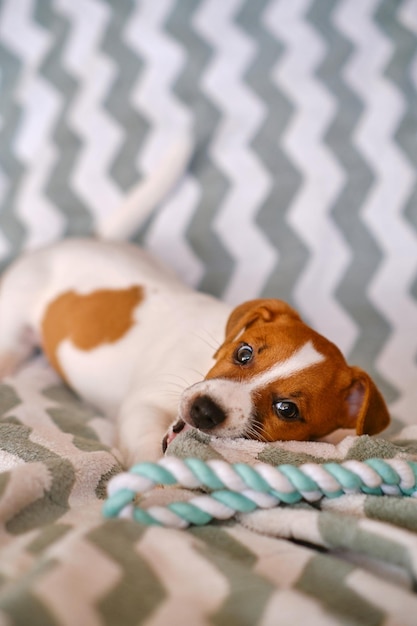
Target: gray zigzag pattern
213,184
399,72
119,604
286,179
59,189
118,100
346,211
10,114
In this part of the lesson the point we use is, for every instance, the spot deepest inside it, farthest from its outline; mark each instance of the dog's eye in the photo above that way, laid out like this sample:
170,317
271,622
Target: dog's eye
286,410
243,354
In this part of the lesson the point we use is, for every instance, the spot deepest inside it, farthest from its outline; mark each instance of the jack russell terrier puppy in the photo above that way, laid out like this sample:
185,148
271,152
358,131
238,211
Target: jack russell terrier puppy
125,334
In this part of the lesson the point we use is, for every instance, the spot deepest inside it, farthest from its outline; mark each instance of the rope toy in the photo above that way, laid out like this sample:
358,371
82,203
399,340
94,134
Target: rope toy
241,488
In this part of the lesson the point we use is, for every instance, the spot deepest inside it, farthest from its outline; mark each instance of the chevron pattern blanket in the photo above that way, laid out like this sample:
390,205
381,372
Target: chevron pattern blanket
302,186
350,559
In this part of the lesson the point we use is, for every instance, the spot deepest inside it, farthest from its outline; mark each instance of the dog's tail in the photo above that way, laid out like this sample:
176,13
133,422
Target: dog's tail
143,198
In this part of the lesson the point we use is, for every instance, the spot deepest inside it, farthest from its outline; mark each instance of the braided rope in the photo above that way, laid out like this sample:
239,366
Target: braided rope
241,488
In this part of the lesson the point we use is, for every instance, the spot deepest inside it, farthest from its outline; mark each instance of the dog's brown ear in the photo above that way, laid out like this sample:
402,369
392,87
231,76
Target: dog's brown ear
367,410
263,310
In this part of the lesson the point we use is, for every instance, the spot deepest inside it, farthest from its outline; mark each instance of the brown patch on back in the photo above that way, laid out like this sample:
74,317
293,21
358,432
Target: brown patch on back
88,321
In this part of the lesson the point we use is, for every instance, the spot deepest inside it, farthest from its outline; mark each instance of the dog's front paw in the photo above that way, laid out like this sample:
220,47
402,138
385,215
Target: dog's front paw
173,431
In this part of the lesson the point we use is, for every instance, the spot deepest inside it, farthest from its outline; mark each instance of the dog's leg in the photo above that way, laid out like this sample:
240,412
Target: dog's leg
12,356
17,337
140,431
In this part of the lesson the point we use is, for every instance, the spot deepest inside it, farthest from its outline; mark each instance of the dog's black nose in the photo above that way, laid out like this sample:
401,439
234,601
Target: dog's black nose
205,413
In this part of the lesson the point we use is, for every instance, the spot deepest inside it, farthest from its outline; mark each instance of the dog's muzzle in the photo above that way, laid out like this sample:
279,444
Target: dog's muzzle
205,413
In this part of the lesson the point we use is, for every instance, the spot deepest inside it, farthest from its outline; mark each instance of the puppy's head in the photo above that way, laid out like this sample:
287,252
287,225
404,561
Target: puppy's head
277,379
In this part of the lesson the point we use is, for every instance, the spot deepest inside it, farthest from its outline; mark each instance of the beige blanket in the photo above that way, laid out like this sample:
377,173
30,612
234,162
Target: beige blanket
350,560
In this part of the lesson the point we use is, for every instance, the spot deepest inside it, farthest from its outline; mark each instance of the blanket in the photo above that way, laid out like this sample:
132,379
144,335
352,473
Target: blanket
347,560
302,186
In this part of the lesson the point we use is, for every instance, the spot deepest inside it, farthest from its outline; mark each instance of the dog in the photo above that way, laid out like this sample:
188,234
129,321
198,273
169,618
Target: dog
125,334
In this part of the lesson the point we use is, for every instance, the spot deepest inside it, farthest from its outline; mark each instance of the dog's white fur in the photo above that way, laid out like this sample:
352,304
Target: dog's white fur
138,379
